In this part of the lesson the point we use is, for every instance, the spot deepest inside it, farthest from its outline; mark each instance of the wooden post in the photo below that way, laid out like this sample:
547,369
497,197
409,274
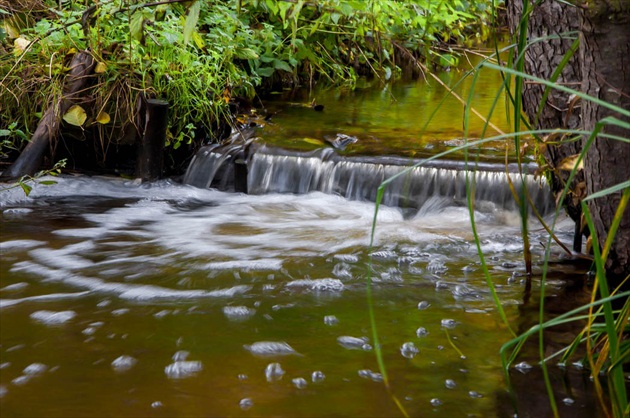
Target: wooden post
150,153
31,157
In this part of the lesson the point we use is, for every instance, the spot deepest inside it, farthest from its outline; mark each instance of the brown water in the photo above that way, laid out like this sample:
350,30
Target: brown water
121,299
94,269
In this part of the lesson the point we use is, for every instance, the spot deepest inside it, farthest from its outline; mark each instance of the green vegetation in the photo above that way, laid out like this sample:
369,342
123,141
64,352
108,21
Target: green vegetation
198,55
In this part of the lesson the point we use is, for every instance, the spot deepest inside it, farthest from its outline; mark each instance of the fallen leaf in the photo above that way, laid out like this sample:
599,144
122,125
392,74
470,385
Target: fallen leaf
100,68
569,162
75,116
21,44
103,118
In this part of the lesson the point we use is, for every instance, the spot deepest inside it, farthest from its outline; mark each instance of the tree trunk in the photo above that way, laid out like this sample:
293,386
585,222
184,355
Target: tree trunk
542,58
605,56
47,130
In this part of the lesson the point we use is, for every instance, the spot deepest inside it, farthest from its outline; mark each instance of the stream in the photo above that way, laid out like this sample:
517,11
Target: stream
164,299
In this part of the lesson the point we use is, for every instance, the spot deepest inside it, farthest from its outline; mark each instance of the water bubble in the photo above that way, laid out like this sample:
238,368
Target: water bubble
156,404
436,402
273,372
439,285
317,376
89,331
121,311
53,318
162,313
422,332
21,380
245,404
366,347
331,320
369,374
474,394
3,391
468,269
183,369
392,275
348,258
242,377
123,363
384,255
436,266
238,313
409,350
300,382
352,343
35,368
318,285
448,323
568,401
423,305
181,355
523,367
270,348
450,384
104,303
464,292
342,270
5,365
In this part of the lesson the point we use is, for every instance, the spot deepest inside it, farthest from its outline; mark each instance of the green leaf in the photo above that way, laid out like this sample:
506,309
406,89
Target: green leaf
136,25
281,65
265,71
27,189
613,189
245,53
47,182
75,116
5,132
191,21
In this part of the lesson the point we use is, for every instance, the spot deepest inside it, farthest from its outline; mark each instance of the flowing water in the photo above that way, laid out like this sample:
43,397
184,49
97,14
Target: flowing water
165,299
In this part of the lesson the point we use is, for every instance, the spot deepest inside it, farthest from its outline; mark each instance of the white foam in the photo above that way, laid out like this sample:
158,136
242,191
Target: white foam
19,244
318,285
53,318
4,303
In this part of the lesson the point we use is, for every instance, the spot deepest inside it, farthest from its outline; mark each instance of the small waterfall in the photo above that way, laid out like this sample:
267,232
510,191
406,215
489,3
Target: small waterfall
271,170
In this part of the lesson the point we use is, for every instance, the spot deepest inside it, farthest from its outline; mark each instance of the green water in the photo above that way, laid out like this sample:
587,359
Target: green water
407,118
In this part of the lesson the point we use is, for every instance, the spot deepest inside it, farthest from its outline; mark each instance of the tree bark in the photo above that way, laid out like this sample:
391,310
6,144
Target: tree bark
47,130
605,56
542,58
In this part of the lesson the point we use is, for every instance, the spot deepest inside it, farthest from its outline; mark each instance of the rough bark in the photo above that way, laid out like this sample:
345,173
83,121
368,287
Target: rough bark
47,130
605,56
542,58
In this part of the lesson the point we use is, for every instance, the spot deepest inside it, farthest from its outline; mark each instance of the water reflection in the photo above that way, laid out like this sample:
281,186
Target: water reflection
121,299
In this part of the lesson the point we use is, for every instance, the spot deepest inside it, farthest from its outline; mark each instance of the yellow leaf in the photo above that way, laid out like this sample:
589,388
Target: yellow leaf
12,31
21,44
313,141
569,162
100,68
198,40
103,118
75,116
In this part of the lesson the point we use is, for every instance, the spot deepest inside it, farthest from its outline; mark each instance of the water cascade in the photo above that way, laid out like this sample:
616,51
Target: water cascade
272,170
